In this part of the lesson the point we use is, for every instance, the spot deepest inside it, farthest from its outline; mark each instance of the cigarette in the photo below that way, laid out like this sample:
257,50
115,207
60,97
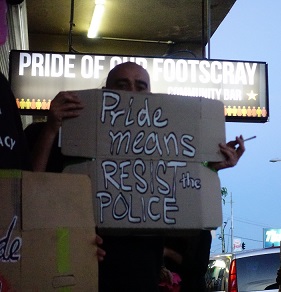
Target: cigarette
249,138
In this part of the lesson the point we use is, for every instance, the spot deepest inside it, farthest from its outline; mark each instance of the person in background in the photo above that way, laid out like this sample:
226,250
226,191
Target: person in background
129,263
14,152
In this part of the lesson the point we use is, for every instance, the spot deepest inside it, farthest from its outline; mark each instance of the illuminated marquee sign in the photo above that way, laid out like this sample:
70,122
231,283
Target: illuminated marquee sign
36,78
271,237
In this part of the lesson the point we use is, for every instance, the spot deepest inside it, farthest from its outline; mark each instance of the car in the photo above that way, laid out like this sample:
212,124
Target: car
253,270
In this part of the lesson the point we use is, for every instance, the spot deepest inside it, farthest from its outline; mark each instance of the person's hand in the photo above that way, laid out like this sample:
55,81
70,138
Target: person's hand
65,105
100,252
232,151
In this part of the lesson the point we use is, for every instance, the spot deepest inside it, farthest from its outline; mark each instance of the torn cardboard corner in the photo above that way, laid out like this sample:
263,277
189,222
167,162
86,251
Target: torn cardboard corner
144,155
46,232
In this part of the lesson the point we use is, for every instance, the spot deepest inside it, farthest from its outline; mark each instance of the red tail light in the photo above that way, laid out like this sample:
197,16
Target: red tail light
232,284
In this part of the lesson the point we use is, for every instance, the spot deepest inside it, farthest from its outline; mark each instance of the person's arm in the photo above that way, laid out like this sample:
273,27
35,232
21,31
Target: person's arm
232,151
42,149
64,105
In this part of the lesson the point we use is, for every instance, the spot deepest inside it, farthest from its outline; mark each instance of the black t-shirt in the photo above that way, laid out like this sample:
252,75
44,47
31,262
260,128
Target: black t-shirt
14,152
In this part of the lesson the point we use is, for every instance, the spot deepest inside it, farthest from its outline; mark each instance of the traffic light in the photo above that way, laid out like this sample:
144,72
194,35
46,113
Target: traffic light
243,245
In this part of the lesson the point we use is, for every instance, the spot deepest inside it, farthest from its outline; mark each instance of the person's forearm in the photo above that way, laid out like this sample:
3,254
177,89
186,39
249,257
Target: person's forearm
42,149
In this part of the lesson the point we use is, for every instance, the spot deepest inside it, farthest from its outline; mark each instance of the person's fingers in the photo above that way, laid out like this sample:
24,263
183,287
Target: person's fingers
241,147
231,144
231,154
100,252
98,240
65,105
65,97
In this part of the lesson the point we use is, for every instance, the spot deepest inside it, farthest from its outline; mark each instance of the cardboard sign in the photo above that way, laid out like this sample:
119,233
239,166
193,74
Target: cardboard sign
46,232
145,156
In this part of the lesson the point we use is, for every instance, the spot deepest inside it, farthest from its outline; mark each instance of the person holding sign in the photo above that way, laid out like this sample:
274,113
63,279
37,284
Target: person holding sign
131,263
132,77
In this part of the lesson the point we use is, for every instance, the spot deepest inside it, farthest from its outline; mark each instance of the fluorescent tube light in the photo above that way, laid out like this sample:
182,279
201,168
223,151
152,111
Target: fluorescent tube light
96,19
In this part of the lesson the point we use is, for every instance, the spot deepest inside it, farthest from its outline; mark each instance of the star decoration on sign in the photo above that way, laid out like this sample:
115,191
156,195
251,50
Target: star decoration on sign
252,95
